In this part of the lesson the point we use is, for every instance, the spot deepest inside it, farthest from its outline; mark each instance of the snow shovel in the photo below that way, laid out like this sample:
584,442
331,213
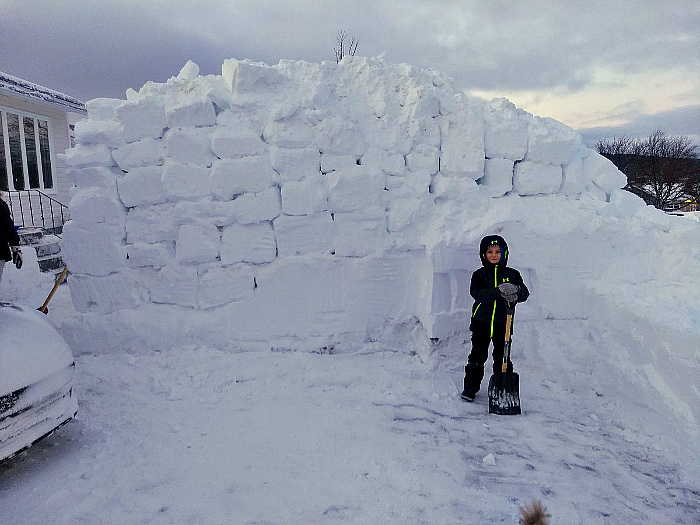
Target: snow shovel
504,388
44,308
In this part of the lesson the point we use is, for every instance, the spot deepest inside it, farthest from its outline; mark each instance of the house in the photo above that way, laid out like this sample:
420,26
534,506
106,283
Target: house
34,130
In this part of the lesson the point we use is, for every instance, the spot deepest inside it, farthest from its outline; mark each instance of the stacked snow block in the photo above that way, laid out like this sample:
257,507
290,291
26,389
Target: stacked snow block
209,192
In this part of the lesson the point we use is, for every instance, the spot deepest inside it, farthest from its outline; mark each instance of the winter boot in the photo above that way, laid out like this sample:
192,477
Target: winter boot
473,374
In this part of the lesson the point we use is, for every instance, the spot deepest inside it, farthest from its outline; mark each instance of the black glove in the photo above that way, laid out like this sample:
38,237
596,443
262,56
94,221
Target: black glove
16,256
509,292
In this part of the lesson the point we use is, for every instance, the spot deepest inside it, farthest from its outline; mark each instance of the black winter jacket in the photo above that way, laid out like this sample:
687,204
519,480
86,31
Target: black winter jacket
8,235
489,307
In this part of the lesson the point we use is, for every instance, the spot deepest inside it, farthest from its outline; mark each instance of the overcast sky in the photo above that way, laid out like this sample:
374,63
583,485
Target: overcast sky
602,67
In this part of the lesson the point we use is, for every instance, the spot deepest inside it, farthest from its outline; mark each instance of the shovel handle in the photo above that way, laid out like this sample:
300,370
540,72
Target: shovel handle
53,290
509,323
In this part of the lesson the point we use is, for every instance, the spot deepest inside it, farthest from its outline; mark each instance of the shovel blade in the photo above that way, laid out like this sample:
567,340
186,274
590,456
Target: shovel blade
504,394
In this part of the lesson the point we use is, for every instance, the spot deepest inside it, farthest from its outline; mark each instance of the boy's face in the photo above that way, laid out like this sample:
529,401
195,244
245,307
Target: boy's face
493,254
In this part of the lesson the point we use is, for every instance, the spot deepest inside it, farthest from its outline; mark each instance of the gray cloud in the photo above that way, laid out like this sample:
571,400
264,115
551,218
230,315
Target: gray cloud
92,49
681,121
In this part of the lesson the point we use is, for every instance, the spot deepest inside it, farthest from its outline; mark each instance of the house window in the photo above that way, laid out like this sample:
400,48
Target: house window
25,151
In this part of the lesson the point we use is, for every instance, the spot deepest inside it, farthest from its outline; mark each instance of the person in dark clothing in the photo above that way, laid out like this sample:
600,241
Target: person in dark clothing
495,288
9,240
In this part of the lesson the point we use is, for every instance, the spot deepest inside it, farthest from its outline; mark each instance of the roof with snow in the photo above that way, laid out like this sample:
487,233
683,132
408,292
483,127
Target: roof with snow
36,93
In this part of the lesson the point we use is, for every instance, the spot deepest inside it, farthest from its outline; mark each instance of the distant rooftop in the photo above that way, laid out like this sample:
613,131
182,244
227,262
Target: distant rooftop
35,92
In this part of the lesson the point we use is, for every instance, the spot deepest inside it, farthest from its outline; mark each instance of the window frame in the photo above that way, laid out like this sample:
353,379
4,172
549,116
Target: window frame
4,110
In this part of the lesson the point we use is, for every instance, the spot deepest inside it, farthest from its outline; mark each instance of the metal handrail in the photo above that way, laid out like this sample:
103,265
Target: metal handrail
29,193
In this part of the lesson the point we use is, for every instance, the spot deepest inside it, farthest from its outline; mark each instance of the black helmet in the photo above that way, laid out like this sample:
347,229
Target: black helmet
491,240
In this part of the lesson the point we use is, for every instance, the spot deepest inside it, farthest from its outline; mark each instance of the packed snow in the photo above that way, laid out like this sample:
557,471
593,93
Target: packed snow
269,308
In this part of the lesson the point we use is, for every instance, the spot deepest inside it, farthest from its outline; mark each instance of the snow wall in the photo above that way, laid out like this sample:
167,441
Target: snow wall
321,206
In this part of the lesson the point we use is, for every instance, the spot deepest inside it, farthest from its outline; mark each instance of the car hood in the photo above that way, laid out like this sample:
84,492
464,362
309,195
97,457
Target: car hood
30,348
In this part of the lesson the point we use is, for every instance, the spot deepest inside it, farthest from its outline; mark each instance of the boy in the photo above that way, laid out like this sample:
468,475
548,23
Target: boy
494,288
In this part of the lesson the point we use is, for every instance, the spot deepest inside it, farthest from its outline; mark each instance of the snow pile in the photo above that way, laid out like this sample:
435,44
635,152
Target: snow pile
28,285
315,206
300,201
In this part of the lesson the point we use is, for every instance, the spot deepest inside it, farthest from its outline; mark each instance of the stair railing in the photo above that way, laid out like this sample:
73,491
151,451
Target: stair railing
56,212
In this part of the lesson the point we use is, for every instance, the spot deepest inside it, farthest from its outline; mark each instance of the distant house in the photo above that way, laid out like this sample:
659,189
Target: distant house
34,130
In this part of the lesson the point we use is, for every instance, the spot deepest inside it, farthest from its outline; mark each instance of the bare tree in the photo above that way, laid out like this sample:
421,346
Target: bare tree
344,48
664,168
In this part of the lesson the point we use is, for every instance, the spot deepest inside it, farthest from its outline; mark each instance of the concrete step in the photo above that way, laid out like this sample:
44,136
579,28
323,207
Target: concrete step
30,235
48,245
51,263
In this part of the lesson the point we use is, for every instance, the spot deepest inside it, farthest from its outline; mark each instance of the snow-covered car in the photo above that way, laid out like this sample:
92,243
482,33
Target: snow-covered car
36,379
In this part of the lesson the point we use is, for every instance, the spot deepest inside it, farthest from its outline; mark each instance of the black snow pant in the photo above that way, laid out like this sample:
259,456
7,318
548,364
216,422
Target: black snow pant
481,338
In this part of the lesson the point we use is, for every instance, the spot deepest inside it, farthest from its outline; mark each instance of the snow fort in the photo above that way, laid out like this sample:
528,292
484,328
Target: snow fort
313,207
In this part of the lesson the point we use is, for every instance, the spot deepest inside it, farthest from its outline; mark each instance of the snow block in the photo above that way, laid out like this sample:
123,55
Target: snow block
95,177
250,243
295,164
233,142
252,208
207,210
459,189
421,103
626,202
220,286
106,132
448,258
425,131
190,110
289,133
85,156
146,152
305,197
551,142
102,108
337,162
152,224
185,181
336,136
461,281
441,300
572,177
424,158
462,146
603,173
142,119
155,255
142,186
230,177
532,178
505,130
175,284
102,295
596,191
189,146
93,207
498,176
198,243
94,251
402,212
189,71
357,236
390,163
304,235
354,189
250,81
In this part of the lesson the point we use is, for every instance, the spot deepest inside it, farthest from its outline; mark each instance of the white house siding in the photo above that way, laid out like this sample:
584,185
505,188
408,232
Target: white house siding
59,139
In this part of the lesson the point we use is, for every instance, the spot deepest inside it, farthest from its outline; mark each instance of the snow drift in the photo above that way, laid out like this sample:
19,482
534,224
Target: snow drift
318,206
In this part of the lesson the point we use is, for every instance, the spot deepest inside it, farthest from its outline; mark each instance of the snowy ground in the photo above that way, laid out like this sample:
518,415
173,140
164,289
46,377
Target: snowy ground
195,435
